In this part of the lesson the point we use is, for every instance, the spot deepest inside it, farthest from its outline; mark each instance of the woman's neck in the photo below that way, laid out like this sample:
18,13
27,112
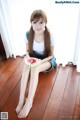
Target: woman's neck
39,37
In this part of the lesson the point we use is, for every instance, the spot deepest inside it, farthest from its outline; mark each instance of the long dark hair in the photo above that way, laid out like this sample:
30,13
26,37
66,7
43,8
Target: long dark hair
37,14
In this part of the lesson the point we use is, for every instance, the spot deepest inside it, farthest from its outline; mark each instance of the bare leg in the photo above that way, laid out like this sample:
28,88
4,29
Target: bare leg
32,88
24,81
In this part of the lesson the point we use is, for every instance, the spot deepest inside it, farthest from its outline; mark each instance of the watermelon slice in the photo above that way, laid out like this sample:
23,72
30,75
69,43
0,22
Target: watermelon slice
32,60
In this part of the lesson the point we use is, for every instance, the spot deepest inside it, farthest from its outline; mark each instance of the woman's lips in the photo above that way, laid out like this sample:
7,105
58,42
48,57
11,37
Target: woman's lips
38,29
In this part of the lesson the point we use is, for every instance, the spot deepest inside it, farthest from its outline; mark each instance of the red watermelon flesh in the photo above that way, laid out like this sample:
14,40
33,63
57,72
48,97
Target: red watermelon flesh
31,60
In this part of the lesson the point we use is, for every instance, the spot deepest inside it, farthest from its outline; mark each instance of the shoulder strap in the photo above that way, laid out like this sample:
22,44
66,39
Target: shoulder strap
27,35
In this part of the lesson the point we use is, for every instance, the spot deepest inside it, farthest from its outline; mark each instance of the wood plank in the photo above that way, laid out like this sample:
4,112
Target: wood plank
43,95
69,98
6,74
14,117
77,104
4,64
7,90
54,103
11,103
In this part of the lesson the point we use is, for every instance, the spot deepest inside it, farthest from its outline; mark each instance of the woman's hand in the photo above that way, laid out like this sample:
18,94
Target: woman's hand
39,61
46,59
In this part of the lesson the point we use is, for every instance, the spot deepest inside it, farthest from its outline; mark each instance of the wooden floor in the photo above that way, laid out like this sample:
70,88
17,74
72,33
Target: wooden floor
57,96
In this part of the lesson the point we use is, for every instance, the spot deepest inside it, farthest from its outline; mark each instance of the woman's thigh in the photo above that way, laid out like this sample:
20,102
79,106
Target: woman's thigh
44,66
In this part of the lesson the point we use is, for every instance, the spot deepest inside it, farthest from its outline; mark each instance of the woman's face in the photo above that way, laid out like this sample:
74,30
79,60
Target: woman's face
38,26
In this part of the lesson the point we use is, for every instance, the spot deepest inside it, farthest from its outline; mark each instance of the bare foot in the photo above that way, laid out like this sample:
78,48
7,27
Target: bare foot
20,105
25,110
18,108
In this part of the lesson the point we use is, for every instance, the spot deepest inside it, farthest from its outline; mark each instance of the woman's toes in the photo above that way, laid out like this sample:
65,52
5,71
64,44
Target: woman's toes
25,110
18,108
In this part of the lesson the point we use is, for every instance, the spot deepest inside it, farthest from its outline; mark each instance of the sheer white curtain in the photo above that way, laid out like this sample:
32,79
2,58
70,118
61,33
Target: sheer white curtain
76,57
63,21
5,26
12,28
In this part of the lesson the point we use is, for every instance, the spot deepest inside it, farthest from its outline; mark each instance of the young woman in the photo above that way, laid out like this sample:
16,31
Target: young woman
40,45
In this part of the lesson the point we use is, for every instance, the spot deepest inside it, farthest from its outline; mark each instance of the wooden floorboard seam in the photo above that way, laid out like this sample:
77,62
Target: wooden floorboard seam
10,95
10,75
64,92
50,92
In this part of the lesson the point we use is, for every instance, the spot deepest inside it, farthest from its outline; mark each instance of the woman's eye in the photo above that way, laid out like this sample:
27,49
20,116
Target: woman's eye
34,22
41,22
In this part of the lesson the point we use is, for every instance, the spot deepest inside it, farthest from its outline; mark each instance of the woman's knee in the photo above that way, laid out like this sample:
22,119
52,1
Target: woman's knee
26,67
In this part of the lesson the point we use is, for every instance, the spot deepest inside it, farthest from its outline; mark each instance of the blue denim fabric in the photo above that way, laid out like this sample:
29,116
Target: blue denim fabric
53,61
53,64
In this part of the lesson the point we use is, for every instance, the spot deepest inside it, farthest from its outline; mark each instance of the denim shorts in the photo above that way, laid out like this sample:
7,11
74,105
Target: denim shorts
53,64
52,61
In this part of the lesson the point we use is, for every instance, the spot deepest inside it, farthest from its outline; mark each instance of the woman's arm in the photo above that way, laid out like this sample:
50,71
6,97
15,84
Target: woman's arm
27,53
48,58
